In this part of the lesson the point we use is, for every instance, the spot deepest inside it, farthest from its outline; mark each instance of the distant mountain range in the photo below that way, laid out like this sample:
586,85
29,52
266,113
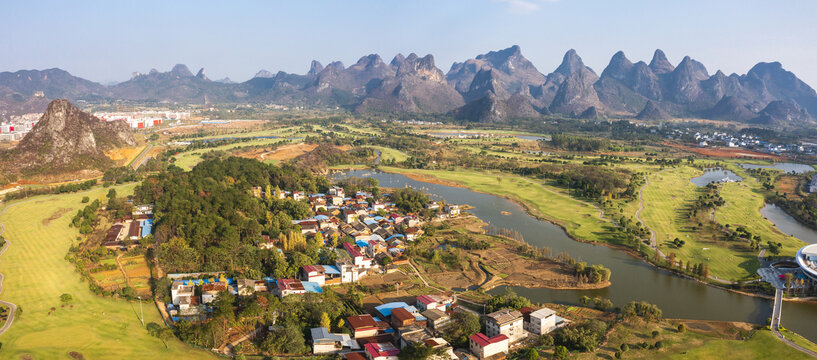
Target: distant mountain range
494,87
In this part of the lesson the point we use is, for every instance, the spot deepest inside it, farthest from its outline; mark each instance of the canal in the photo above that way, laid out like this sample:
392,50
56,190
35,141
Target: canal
632,279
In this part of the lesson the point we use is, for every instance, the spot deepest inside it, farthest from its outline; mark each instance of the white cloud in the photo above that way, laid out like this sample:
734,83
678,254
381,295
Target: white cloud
524,6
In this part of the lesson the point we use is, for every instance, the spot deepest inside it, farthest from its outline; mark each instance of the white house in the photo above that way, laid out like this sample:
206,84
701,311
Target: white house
485,347
324,342
541,321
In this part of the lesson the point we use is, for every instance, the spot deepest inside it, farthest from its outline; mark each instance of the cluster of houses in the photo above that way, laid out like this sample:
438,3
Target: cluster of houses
378,231
394,326
125,233
722,139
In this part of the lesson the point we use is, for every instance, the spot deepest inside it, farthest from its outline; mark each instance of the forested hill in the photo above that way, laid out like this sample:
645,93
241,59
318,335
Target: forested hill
207,219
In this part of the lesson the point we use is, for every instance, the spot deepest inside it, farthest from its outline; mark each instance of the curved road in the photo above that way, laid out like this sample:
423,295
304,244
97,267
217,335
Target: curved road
12,307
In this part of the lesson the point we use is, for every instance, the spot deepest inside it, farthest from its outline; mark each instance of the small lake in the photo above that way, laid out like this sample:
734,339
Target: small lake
788,225
716,175
463,134
632,279
786,167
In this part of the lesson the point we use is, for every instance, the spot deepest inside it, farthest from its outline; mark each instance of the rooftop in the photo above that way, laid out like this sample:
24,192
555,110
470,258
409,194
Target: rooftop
483,340
361,322
505,316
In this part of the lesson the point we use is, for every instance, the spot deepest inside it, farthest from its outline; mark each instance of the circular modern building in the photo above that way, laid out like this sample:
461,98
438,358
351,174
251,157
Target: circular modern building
807,259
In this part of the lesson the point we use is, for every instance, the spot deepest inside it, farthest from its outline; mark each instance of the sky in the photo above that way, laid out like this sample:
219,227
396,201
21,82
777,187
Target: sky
106,41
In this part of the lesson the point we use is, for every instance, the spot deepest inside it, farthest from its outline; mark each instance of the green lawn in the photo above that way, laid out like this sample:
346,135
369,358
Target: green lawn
36,273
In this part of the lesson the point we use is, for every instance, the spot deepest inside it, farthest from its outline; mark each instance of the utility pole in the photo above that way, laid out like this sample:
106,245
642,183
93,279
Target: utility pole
140,310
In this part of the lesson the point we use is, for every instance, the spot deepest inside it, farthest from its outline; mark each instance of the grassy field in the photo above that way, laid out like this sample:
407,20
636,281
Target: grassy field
666,199
389,153
709,340
745,200
763,345
36,274
580,219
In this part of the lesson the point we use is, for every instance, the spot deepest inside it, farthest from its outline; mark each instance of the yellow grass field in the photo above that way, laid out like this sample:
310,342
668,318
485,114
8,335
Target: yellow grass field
36,274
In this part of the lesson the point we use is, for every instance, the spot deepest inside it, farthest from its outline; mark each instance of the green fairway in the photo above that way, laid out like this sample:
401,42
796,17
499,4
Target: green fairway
36,274
744,201
390,154
666,201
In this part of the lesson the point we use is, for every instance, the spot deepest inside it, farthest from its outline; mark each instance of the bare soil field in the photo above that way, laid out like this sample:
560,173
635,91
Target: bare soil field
291,151
725,152
788,184
503,262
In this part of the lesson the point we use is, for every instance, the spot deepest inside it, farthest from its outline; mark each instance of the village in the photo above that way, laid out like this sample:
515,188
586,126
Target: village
380,232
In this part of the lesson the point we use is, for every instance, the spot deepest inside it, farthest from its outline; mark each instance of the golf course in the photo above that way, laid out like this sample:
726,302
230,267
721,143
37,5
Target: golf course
36,275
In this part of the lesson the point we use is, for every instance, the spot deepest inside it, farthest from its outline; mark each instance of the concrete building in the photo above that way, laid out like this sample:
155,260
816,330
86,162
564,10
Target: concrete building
381,351
540,322
505,322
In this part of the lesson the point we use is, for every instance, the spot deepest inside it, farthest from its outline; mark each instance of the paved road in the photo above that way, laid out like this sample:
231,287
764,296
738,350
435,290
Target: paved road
142,157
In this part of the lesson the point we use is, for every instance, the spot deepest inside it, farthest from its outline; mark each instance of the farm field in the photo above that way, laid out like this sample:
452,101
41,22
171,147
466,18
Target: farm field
36,274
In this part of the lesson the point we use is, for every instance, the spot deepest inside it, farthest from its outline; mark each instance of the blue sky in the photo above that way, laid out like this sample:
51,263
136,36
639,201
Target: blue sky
107,40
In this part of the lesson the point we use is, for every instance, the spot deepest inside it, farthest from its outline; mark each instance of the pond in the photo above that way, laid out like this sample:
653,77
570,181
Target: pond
786,167
788,225
715,175
632,279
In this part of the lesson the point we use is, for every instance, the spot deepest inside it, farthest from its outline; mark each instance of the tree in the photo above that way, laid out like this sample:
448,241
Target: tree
531,354
325,321
682,328
111,194
560,352
223,305
66,298
85,199
417,351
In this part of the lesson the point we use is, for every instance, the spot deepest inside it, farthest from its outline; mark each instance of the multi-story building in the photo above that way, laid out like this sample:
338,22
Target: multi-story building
505,322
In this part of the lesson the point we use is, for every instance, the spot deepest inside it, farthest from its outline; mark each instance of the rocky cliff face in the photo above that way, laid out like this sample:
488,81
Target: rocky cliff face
576,93
67,139
491,108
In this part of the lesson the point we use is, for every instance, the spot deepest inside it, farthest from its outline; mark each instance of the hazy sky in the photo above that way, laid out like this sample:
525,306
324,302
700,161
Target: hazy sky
108,40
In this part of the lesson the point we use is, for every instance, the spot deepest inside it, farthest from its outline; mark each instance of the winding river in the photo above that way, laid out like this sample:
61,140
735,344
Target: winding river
632,279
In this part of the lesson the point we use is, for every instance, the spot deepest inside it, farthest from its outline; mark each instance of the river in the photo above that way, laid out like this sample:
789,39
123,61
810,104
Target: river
632,279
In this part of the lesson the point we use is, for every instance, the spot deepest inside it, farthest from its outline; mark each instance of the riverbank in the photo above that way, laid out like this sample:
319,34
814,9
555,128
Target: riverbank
533,211
461,255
